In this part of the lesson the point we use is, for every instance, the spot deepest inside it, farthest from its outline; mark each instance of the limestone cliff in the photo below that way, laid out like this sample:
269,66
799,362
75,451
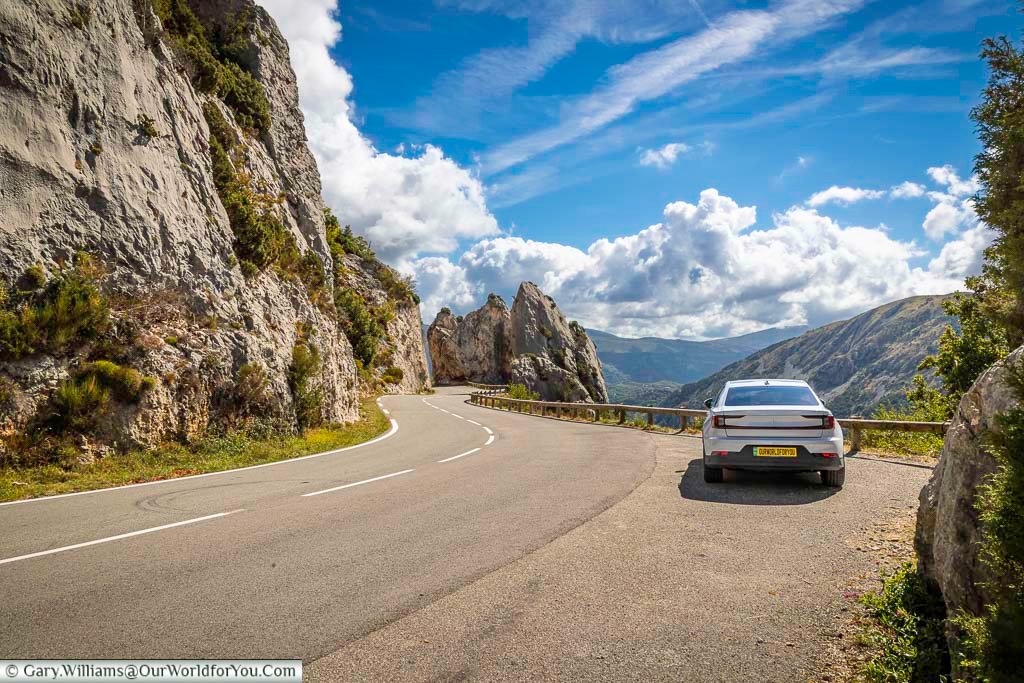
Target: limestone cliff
531,344
164,139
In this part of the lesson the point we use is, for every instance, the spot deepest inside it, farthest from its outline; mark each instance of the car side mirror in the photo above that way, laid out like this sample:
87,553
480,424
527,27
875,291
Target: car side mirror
708,402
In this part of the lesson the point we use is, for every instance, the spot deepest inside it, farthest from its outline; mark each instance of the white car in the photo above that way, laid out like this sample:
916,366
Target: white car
772,424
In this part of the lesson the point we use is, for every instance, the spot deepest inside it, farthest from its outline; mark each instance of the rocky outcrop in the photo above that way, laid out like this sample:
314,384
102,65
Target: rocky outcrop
476,348
531,344
948,528
106,148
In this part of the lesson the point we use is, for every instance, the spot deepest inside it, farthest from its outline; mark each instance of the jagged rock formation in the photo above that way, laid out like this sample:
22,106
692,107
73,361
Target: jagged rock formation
531,344
178,160
948,529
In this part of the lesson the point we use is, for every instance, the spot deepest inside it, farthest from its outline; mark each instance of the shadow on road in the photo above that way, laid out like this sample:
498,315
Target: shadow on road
753,488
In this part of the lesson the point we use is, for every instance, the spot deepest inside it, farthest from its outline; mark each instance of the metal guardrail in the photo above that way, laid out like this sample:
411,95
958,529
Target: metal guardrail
489,389
592,411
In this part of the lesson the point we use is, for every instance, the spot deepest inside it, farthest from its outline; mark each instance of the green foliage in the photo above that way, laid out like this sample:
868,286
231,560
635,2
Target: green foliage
34,277
401,289
96,149
77,405
314,277
363,330
249,392
343,241
69,310
909,638
261,239
521,392
216,67
964,355
147,126
445,310
925,404
125,384
995,647
80,15
303,376
393,375
1000,167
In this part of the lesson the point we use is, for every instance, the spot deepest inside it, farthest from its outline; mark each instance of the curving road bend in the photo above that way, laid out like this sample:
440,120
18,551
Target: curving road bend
300,558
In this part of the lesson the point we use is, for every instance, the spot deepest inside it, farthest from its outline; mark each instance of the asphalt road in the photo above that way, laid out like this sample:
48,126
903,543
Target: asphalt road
555,551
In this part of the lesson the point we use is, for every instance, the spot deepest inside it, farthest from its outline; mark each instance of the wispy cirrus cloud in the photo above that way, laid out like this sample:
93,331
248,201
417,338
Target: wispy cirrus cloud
730,39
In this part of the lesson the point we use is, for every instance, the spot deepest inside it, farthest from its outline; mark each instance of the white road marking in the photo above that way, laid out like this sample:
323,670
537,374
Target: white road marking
445,411
357,483
387,412
458,416
490,440
488,430
473,422
390,433
118,537
460,455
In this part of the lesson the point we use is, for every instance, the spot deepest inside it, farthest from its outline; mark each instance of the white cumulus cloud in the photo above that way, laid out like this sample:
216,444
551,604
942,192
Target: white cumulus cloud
907,190
663,157
843,195
405,205
708,270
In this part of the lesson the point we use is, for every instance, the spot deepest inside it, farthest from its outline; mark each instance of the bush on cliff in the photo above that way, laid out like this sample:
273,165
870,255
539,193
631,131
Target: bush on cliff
68,310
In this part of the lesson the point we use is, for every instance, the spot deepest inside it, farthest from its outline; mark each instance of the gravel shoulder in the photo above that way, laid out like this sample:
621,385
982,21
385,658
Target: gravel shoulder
680,580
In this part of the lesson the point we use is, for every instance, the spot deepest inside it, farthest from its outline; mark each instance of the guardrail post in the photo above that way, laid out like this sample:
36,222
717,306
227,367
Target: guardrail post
854,440
650,420
684,422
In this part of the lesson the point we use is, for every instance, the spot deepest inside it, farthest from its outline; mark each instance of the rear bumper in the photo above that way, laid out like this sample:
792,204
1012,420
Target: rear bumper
808,458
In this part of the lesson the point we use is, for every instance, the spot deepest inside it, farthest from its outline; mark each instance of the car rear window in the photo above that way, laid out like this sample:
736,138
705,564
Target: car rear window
770,396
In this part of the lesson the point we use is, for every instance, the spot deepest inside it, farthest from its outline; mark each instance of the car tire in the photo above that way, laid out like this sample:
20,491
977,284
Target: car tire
834,478
713,475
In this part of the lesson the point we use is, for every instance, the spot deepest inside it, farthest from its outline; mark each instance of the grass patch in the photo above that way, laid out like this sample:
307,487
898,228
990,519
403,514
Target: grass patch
906,630
211,454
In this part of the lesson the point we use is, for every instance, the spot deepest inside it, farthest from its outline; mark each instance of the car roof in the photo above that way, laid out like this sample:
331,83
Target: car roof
766,382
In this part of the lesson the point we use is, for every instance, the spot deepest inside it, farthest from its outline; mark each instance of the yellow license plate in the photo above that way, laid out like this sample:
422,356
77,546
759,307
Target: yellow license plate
774,452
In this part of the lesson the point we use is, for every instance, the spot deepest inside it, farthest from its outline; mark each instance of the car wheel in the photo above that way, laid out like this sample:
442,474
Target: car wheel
712,475
834,478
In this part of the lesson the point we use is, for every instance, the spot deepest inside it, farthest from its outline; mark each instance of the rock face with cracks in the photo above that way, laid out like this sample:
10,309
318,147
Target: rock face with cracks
949,531
106,149
532,344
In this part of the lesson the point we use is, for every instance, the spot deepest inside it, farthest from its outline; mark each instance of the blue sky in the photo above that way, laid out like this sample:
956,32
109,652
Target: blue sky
491,141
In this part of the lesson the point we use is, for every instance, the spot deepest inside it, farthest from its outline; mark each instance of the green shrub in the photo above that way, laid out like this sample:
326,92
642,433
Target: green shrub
261,238
80,15
521,392
126,384
147,126
343,241
993,646
393,375
214,66
68,311
909,638
250,387
925,404
78,404
302,380
445,310
362,329
96,149
34,277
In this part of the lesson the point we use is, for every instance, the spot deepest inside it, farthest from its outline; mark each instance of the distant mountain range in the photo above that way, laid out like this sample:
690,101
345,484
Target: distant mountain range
855,365
646,371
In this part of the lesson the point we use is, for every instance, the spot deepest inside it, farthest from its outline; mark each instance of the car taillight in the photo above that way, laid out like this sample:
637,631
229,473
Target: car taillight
719,452
829,455
828,422
719,422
